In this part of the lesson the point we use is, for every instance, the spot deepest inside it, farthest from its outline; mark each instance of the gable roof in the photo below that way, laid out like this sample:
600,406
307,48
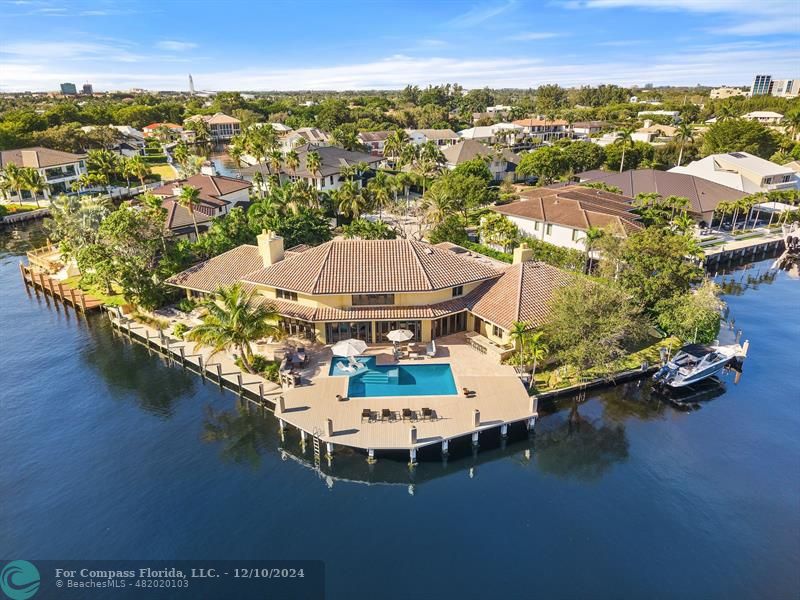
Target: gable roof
704,195
436,134
374,136
575,206
372,266
468,149
522,293
38,157
332,159
179,217
215,119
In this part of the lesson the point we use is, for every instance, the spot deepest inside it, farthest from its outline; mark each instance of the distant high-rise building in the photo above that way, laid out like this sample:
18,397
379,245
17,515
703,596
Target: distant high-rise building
648,86
87,89
191,85
765,85
69,89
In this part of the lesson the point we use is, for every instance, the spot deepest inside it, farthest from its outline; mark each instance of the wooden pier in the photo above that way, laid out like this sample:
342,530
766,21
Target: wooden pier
68,295
750,249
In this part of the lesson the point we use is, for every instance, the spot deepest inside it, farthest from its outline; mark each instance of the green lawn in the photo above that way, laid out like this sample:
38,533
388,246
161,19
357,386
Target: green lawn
98,292
166,172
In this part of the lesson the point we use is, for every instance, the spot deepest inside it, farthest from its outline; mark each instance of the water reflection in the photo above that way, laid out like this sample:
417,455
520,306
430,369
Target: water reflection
243,434
746,280
129,367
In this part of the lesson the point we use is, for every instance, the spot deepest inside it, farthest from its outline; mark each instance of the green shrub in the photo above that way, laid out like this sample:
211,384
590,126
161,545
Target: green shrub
263,366
186,305
179,330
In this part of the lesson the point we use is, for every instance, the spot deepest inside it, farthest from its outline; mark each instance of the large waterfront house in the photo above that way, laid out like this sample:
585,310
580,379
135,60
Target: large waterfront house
502,164
585,129
154,129
332,161
129,141
742,171
704,195
561,216
506,134
221,127
366,288
440,137
58,169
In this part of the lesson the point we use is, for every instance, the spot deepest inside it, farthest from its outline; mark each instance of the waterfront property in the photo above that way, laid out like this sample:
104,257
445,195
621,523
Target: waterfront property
704,195
742,171
561,216
440,137
364,289
221,127
502,165
58,169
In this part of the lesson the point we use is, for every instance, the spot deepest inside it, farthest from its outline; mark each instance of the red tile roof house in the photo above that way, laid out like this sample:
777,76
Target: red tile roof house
365,288
218,194
561,216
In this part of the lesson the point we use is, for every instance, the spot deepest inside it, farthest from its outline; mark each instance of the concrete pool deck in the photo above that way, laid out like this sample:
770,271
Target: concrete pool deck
499,399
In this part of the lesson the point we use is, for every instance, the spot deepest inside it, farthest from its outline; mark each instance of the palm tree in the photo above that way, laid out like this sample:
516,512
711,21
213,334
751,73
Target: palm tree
349,200
437,206
104,163
676,202
236,151
683,223
724,112
234,320
189,198
683,135
395,144
258,182
180,153
34,182
15,179
518,334
792,122
624,138
275,158
593,234
537,349
138,168
380,190
314,165
292,161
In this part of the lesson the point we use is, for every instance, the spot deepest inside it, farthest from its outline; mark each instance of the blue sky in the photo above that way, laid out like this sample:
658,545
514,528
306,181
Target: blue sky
277,45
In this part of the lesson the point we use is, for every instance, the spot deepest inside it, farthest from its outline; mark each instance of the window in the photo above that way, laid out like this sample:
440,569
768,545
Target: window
458,291
286,294
335,332
373,299
382,329
576,233
536,225
548,229
497,331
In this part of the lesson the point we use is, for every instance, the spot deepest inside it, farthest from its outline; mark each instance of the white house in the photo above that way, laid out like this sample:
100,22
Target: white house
543,130
58,169
767,117
742,171
441,137
561,216
675,115
221,126
374,141
586,129
502,133
302,136
501,164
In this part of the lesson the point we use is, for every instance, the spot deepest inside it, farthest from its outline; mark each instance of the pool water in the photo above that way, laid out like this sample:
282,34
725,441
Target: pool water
395,380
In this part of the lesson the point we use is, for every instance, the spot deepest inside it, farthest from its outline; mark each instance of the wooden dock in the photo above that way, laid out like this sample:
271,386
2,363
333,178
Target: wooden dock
23,217
68,295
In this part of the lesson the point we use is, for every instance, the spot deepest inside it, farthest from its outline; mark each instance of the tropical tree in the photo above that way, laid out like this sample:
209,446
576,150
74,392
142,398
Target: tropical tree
105,164
314,165
624,139
275,159
380,192
590,239
683,223
518,334
234,321
537,349
395,145
684,134
292,161
189,198
34,182
349,200
180,153
15,179
137,167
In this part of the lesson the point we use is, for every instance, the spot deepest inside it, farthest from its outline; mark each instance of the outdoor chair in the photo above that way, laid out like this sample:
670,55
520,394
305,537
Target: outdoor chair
407,414
430,349
386,414
427,413
366,414
468,393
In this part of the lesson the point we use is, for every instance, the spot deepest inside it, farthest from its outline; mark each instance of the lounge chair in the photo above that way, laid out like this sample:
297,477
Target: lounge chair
386,414
468,393
366,414
354,364
407,414
301,354
345,368
427,413
430,349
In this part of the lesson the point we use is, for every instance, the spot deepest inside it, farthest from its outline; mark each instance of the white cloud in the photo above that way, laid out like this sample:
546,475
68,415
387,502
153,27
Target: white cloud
533,35
480,14
742,17
68,50
175,46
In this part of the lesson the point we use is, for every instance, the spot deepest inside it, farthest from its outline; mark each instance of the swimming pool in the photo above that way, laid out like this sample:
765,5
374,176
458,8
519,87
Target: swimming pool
395,380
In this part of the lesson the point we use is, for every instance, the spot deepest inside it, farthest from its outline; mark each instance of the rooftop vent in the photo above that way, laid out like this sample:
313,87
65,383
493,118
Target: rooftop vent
738,155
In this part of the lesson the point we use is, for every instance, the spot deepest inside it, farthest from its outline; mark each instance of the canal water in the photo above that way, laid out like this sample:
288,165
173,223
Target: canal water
109,452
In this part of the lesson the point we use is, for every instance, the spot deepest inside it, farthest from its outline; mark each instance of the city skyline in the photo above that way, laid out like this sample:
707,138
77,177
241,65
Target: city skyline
382,45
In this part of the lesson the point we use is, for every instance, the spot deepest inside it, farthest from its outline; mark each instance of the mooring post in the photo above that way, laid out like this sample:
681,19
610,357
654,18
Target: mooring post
445,447
504,430
371,456
475,435
476,418
329,451
239,379
72,299
412,457
219,374
61,292
183,356
280,405
200,366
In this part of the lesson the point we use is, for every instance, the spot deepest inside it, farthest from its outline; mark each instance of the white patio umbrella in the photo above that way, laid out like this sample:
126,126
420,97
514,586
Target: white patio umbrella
349,347
400,335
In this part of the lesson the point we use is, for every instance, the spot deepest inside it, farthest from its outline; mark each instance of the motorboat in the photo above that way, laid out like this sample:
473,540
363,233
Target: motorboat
694,363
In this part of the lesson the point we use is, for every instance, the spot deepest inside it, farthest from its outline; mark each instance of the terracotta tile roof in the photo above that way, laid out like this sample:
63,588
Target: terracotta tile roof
574,206
212,188
225,269
154,126
215,119
522,293
704,195
372,266
539,122
38,157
